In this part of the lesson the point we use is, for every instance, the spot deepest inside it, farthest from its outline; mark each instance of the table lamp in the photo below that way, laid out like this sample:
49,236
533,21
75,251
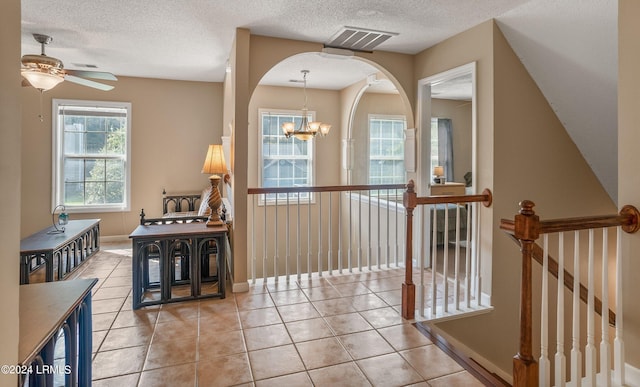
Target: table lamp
438,172
214,164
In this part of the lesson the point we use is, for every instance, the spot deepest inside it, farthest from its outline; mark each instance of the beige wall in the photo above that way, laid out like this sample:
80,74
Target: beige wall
251,57
10,175
460,114
325,103
511,108
238,98
172,124
628,161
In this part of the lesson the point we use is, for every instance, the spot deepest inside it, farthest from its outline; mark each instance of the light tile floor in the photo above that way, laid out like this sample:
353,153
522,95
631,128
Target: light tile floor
341,330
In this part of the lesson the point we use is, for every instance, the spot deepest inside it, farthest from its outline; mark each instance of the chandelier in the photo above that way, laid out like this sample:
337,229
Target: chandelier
306,130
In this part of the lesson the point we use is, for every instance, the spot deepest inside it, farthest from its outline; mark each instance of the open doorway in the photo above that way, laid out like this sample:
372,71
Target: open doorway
447,144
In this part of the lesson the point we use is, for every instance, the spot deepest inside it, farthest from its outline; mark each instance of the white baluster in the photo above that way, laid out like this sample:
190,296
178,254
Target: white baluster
434,263
467,266
378,229
309,268
264,240
288,238
478,256
298,256
340,198
350,230
576,355
253,239
275,241
445,262
560,359
421,288
320,266
388,228
618,343
590,349
369,249
330,251
605,349
360,231
456,279
400,245
544,364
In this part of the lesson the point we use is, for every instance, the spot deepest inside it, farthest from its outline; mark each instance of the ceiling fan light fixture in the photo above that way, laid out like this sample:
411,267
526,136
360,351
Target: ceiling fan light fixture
45,72
42,80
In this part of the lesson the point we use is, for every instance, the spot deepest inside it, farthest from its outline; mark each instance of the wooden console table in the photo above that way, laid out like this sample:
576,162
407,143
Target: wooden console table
163,245
46,309
79,241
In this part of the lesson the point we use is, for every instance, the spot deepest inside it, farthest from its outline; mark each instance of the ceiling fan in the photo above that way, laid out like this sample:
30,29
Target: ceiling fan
44,72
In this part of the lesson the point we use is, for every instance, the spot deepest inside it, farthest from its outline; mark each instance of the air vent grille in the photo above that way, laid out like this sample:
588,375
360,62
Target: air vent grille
359,39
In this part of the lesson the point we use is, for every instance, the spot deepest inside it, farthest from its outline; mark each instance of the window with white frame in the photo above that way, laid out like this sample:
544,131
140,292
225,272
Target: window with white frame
386,149
285,162
91,153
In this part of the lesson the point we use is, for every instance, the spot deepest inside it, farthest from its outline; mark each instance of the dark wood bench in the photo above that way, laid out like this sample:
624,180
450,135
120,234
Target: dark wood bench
64,251
47,311
180,254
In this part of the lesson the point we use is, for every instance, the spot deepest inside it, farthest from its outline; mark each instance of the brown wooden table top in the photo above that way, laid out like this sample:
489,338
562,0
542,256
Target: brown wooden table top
175,229
43,241
43,308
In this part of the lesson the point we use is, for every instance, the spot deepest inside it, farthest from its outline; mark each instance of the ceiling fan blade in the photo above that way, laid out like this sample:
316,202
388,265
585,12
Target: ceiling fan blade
92,74
86,82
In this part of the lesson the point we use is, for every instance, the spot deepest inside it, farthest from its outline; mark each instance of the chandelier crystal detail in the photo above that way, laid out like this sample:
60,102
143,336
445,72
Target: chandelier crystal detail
307,130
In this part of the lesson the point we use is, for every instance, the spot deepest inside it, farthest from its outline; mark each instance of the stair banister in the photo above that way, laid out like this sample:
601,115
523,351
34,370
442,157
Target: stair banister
410,202
527,228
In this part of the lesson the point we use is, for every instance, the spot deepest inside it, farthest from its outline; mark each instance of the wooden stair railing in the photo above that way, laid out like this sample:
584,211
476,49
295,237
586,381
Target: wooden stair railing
527,228
567,279
411,201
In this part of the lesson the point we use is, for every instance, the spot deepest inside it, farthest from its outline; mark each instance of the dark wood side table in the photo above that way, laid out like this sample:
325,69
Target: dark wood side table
158,245
79,241
45,310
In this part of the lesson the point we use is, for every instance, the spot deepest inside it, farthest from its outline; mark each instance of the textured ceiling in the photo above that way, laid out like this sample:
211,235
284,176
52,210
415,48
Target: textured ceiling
569,47
191,40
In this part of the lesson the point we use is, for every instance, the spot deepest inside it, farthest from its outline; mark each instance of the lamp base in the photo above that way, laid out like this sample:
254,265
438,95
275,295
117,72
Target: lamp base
215,201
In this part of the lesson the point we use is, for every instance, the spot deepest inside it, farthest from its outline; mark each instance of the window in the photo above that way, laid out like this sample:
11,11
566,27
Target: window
386,149
91,169
285,162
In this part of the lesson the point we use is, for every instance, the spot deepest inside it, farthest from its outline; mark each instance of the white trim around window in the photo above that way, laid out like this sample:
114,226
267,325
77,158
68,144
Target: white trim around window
85,143
388,139
283,150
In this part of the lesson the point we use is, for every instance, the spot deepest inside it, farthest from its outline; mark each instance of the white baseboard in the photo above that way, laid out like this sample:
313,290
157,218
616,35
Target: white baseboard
472,354
239,287
631,375
114,238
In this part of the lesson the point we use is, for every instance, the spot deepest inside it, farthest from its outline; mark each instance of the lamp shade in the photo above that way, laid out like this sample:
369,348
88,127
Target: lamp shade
214,163
438,170
42,80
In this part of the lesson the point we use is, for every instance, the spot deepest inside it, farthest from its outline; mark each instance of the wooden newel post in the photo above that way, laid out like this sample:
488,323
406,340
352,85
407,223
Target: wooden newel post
527,230
408,287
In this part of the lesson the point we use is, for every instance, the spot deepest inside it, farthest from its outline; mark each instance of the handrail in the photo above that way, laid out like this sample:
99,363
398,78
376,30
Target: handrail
411,201
527,228
627,218
329,188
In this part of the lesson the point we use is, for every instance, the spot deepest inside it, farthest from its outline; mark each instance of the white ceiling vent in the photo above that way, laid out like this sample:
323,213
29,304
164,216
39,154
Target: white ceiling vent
359,39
